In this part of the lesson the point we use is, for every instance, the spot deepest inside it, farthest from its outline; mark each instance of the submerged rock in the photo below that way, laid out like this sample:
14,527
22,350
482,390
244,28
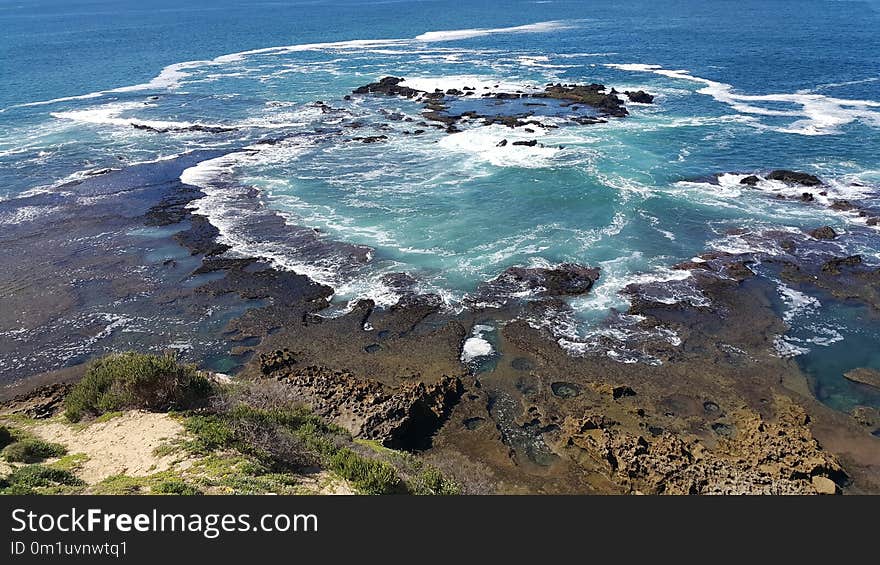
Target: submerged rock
370,138
866,416
825,232
833,266
566,279
865,376
842,205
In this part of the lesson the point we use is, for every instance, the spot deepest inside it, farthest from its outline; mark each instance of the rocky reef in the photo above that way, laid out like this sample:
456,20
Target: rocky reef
572,97
566,279
820,195
780,456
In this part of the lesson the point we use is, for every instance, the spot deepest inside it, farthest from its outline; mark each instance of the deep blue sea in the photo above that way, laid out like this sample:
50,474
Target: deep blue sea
742,86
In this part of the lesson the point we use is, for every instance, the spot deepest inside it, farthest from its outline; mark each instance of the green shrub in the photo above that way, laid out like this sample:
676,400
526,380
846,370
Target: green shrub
121,485
134,380
32,451
369,476
210,433
175,486
6,437
41,476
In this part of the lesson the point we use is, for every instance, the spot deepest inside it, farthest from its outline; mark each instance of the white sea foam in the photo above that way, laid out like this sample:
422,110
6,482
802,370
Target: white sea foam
481,83
815,114
728,192
785,348
111,114
26,214
169,78
476,345
540,62
823,335
172,76
797,303
456,34
114,114
221,205
842,84
619,273
482,144
228,208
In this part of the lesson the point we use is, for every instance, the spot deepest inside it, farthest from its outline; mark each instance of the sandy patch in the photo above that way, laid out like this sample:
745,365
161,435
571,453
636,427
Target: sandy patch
122,445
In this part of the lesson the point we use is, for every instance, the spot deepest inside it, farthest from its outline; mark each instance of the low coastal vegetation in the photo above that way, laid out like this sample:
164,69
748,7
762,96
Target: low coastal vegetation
132,380
236,438
21,447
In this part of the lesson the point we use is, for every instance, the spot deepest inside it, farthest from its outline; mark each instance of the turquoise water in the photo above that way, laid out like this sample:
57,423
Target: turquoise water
741,87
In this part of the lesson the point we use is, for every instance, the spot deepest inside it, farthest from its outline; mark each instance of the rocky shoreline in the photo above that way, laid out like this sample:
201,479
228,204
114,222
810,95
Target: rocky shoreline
719,411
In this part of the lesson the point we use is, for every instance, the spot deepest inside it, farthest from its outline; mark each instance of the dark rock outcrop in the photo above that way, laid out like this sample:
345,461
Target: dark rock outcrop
193,128
640,96
42,402
405,417
591,94
567,279
825,232
794,177
370,138
389,86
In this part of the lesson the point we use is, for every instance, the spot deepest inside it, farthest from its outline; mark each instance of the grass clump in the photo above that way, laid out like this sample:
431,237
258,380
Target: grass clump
136,380
431,481
107,416
163,482
369,476
72,462
31,450
34,479
175,486
121,484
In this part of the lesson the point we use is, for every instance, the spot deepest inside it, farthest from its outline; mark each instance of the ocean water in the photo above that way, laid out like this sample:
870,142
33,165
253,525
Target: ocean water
741,87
